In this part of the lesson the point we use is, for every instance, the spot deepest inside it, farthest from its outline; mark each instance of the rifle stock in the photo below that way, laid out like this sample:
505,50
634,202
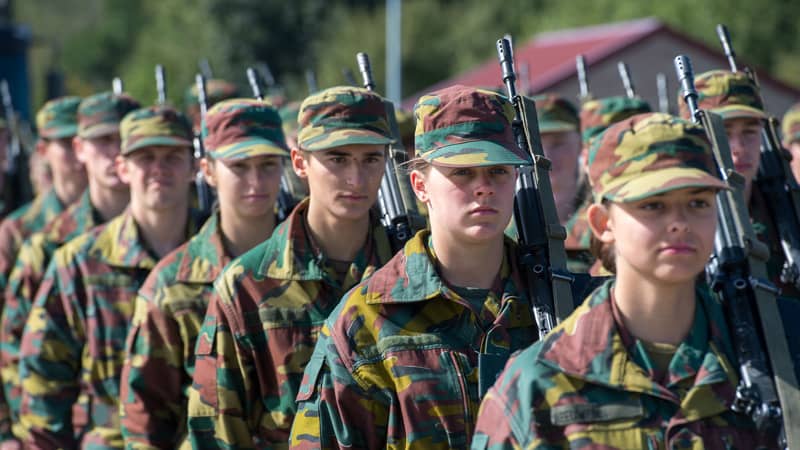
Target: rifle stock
767,391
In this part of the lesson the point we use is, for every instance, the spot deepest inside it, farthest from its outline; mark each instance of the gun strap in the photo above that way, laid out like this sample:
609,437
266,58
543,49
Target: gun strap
561,279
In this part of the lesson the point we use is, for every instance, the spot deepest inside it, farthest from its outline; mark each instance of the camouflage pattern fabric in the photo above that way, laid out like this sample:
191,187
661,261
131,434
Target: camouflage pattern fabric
259,333
731,95
790,126
288,113
100,114
397,362
74,339
23,283
464,126
58,118
555,113
649,154
17,227
216,91
154,126
340,116
242,128
159,360
589,384
597,115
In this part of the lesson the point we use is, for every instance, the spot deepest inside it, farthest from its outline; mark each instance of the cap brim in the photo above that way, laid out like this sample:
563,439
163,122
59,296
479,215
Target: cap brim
660,181
167,141
556,126
104,129
63,131
248,149
475,154
739,112
342,137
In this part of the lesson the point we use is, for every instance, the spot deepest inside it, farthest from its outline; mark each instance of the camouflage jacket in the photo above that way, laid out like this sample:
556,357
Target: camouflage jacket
259,333
32,260
159,359
590,384
74,339
398,362
22,223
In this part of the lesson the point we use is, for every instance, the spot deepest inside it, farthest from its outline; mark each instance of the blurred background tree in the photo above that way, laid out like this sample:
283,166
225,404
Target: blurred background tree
94,40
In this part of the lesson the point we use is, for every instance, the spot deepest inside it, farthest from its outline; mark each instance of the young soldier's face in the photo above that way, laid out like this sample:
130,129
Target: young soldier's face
159,176
61,158
794,149
666,238
246,188
470,204
343,180
563,148
744,138
99,156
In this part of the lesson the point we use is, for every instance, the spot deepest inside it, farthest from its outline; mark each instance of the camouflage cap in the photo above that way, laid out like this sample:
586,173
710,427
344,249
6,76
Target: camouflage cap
100,114
732,95
791,125
216,91
288,113
155,125
649,154
58,118
597,115
556,113
466,126
243,128
342,115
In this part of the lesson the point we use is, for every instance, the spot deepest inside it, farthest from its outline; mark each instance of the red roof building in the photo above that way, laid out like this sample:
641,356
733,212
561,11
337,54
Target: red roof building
648,46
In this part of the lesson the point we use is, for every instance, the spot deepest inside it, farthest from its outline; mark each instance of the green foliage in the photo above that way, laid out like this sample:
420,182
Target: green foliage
95,40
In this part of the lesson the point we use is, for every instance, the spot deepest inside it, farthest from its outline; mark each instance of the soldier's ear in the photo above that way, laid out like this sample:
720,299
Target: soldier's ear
122,169
207,167
77,146
600,222
419,184
299,162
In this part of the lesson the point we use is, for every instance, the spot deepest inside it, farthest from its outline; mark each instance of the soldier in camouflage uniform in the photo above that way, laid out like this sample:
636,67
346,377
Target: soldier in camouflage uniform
400,361
595,117
96,146
791,137
245,147
263,321
736,98
297,186
646,361
74,339
57,123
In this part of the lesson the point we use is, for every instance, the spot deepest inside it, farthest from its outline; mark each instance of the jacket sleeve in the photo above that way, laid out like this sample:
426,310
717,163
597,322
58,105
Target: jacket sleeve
154,381
334,410
223,407
50,361
493,430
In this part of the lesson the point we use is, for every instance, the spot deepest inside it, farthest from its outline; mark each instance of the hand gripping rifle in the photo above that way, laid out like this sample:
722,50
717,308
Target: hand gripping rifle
767,391
395,197
17,190
541,236
204,195
627,83
286,201
775,181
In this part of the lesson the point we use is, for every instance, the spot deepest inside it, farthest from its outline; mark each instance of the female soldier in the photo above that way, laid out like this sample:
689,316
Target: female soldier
398,362
244,163
645,362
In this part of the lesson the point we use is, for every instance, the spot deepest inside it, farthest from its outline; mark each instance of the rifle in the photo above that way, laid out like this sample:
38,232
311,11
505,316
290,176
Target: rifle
17,160
663,93
205,68
395,199
311,82
776,181
583,82
541,236
116,86
204,195
161,85
627,83
767,391
286,201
